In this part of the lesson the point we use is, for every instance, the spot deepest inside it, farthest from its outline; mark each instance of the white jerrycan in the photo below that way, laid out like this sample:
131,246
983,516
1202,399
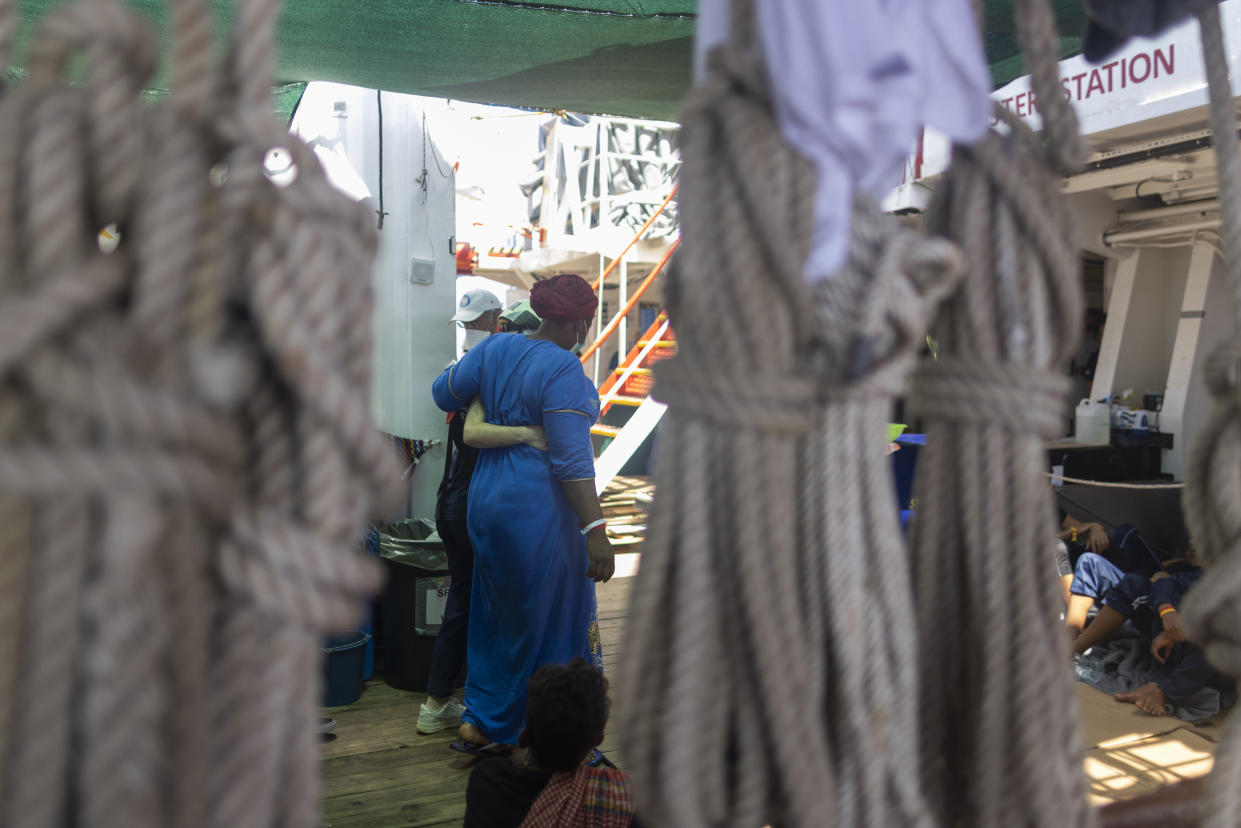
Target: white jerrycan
1093,426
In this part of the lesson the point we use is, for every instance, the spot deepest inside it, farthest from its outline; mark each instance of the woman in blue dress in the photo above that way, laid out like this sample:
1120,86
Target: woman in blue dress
534,518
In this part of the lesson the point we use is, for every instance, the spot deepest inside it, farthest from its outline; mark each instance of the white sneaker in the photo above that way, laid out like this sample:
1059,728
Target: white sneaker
433,721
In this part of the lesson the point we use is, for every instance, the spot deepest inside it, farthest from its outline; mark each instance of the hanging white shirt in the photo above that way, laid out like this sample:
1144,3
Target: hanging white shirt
854,81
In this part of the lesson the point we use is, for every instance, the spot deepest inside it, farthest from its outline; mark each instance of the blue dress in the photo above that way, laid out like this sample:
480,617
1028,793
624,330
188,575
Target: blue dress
531,601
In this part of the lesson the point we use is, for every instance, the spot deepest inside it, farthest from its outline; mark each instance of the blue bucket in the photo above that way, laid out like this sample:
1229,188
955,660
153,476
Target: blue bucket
343,660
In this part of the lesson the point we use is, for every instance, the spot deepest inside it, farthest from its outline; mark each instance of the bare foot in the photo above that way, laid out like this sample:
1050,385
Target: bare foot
471,735
1148,698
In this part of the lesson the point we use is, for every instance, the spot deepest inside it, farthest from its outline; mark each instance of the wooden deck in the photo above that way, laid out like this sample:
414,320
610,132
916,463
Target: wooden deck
1129,753
377,770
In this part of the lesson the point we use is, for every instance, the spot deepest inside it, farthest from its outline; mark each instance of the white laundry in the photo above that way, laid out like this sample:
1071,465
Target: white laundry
854,83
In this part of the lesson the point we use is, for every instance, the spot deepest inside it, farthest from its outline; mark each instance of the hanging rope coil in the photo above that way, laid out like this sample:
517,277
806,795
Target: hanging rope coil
1063,145
1213,467
999,717
772,627
184,459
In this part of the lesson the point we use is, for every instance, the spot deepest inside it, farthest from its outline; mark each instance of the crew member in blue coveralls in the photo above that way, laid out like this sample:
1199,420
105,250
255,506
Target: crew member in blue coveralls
534,518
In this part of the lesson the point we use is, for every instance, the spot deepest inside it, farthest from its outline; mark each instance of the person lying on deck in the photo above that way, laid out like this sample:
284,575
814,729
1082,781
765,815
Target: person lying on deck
1150,605
555,784
1090,563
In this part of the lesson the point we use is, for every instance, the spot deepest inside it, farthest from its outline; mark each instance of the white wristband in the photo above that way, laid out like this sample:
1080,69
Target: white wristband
588,528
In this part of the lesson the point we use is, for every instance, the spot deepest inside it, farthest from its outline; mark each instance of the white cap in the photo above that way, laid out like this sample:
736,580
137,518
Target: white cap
474,304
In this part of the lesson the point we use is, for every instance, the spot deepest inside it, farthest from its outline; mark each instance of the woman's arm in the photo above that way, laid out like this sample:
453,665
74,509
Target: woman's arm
479,433
585,503
460,381
570,407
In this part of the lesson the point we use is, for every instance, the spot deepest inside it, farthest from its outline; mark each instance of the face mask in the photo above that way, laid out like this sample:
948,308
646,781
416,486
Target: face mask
473,337
580,345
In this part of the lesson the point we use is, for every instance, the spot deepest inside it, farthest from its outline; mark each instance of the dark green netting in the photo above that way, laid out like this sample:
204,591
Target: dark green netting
1000,38
619,57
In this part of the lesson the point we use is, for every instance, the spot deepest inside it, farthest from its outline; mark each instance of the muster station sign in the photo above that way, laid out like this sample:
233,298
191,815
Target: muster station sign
1149,78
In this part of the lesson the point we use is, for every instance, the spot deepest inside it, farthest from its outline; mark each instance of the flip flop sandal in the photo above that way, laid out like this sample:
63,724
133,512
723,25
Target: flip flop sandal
489,749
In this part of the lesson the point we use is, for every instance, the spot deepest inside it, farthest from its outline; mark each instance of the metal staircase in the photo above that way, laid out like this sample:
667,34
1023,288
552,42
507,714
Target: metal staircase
630,384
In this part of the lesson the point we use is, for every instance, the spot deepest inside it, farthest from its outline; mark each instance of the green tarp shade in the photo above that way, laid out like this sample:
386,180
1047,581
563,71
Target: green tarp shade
1000,38
617,57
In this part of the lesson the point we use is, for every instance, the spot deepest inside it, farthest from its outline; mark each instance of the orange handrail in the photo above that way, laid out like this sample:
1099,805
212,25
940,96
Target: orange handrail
636,239
621,365
631,304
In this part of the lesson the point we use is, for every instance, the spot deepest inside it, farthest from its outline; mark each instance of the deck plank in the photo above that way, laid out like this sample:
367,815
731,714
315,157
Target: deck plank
378,771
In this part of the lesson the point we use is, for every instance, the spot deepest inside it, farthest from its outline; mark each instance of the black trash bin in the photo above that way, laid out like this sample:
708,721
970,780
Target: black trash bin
412,604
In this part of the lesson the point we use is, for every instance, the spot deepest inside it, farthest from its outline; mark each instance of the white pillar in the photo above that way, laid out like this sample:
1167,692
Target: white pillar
622,346
1114,331
1184,356
550,217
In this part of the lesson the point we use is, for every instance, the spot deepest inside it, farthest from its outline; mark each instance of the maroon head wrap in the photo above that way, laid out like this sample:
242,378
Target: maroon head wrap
564,298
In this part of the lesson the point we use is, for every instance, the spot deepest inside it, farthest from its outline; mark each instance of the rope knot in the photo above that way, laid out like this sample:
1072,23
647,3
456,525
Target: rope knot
293,572
1021,398
790,404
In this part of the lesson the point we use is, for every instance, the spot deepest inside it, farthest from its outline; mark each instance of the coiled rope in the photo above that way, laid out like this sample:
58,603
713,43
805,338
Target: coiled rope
999,717
769,674
1213,468
184,460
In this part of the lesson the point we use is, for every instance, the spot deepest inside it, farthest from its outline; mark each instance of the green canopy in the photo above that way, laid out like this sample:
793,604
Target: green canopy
617,57
1000,38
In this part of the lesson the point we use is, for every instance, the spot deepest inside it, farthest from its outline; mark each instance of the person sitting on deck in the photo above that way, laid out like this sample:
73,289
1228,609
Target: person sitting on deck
1150,605
1090,563
566,713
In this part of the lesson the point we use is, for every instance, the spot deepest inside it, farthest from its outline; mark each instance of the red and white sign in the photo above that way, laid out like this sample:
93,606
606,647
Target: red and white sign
1123,77
1149,78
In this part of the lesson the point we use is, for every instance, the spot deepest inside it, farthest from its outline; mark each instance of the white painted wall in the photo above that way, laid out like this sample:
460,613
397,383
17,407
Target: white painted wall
413,340
1157,350
1093,213
1150,329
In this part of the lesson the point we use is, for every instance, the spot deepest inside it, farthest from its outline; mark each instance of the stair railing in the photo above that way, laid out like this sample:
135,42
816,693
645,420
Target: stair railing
599,284
604,276
612,326
621,376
